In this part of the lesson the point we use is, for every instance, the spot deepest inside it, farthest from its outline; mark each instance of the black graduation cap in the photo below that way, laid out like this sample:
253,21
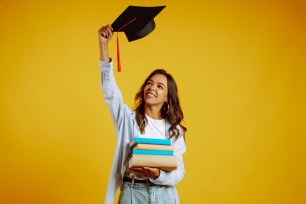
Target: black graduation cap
136,22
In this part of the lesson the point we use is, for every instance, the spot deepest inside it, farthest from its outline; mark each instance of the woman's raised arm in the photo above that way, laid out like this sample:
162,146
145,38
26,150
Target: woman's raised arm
105,34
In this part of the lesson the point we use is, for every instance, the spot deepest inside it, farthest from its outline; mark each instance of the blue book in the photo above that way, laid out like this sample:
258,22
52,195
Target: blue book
141,140
152,152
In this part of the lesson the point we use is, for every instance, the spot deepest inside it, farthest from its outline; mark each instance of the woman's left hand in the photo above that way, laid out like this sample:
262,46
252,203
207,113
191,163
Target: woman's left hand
152,172
147,171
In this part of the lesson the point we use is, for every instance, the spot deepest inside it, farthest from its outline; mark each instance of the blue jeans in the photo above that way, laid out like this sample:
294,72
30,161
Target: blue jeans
142,193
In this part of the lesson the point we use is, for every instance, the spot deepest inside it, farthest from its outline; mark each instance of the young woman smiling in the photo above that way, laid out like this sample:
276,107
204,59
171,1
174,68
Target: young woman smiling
158,114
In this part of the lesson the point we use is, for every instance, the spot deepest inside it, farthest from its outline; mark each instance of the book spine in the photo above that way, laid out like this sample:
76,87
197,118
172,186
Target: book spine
152,152
154,147
166,163
141,140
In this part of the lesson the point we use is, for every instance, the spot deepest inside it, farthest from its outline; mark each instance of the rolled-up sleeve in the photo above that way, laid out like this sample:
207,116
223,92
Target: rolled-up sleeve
112,94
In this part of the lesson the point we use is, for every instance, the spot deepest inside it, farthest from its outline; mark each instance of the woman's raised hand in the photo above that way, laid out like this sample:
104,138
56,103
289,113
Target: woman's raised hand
105,34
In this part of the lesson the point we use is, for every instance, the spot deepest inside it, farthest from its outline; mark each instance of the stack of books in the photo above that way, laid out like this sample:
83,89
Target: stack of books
152,152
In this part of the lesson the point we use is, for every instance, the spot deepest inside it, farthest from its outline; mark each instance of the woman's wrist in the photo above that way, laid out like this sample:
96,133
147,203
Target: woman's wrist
104,52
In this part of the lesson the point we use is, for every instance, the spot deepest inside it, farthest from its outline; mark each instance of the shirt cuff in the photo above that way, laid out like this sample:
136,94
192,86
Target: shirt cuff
105,63
106,66
160,179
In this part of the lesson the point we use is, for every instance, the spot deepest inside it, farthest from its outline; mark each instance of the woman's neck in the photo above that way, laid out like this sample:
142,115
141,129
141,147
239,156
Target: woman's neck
153,112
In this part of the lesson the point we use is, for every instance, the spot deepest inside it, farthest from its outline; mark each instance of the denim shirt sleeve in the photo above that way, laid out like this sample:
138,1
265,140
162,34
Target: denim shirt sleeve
112,94
122,118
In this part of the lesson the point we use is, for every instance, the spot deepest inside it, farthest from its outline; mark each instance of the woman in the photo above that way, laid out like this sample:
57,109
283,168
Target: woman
158,114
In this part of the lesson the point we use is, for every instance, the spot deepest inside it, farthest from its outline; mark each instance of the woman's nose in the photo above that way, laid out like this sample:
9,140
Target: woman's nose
152,88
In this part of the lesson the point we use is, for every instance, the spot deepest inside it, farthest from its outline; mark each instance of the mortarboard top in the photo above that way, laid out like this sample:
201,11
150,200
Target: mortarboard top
136,22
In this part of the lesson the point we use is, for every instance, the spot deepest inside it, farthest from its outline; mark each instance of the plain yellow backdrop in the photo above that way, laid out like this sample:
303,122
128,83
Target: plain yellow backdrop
240,69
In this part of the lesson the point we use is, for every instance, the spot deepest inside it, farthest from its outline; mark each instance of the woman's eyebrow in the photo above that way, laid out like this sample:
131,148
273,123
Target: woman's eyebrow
161,84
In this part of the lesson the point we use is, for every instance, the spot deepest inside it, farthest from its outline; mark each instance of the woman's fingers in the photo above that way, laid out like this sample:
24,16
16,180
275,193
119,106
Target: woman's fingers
102,32
109,31
147,171
106,31
152,172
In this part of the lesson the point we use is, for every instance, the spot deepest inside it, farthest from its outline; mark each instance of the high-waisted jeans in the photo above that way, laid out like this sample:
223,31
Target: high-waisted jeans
142,193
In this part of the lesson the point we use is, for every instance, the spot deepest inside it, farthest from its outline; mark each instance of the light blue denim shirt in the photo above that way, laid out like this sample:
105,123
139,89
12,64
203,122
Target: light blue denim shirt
126,128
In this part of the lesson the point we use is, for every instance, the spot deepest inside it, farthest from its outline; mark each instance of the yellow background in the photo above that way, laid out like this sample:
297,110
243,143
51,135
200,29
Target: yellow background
240,69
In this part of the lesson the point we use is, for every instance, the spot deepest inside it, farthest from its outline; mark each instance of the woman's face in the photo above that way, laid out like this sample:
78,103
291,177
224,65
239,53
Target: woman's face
156,90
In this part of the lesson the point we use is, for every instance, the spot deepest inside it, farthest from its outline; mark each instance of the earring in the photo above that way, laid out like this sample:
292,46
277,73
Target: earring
166,107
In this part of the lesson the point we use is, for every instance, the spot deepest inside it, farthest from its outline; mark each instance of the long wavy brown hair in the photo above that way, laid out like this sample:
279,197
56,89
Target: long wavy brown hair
172,111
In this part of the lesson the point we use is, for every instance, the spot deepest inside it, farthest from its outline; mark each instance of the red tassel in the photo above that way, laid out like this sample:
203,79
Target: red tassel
118,55
118,51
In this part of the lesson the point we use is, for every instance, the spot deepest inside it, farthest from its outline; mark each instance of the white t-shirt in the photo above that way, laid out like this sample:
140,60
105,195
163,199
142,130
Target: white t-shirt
154,129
